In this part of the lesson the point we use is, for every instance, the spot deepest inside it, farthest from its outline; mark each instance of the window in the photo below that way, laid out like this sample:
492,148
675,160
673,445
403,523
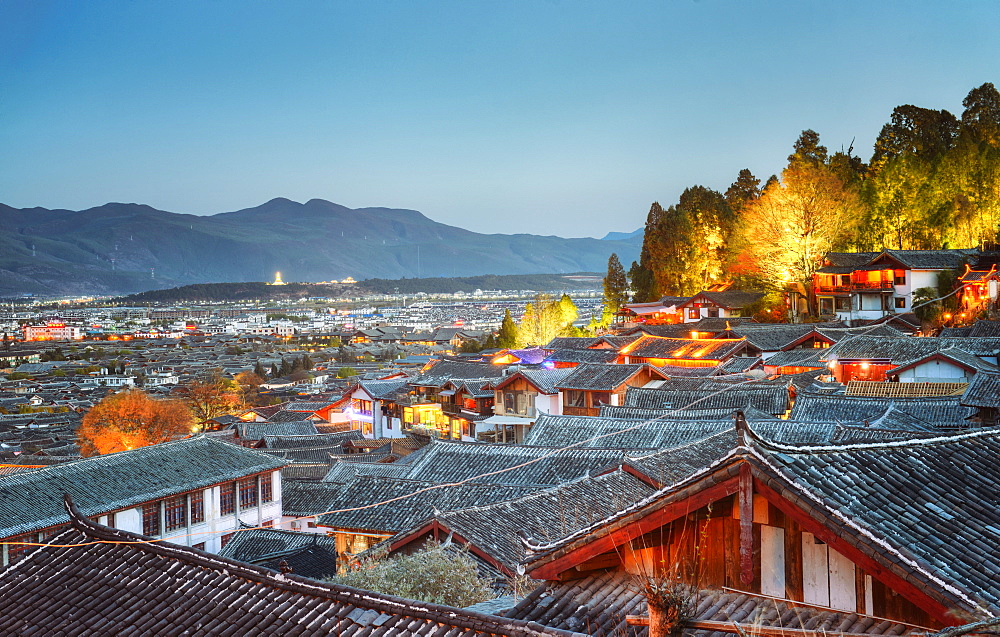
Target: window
266,490
509,399
713,312
843,304
267,524
175,512
227,498
248,493
900,302
311,525
899,278
598,398
111,519
16,551
151,518
576,398
200,546
224,540
694,313
197,507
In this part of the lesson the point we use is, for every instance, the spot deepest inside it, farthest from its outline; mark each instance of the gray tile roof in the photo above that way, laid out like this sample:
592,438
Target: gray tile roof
599,604
301,498
453,461
582,356
254,545
311,440
983,391
599,377
680,348
258,430
902,349
34,500
551,513
390,505
933,500
767,397
544,379
941,412
174,591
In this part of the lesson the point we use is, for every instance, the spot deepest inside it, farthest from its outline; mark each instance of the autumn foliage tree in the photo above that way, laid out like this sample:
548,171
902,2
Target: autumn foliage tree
214,396
131,419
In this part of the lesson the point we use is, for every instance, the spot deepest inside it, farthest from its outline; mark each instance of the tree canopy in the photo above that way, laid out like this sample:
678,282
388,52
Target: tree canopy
131,419
932,182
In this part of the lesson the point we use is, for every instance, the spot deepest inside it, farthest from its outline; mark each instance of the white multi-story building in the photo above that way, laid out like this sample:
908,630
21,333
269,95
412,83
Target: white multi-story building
53,332
195,492
854,286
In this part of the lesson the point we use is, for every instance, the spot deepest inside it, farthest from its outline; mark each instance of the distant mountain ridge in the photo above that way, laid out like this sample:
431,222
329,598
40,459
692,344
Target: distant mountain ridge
124,248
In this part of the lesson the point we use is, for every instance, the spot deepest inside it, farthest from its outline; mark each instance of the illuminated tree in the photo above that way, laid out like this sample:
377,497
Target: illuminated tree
249,387
546,319
796,221
131,419
213,396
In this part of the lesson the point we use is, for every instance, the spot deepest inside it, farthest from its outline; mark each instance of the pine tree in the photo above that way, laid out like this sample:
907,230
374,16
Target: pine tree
286,368
507,336
615,284
275,372
258,370
307,363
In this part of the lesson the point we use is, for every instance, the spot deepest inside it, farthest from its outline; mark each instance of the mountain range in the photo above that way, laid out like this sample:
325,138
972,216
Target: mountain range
123,248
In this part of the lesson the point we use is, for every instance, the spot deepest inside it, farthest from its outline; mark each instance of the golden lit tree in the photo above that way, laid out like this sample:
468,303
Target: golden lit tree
797,220
131,419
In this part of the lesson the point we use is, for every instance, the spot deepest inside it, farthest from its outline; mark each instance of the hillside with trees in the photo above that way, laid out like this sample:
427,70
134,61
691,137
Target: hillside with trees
932,181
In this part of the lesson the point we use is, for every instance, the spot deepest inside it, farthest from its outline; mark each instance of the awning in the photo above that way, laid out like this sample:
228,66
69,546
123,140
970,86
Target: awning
506,420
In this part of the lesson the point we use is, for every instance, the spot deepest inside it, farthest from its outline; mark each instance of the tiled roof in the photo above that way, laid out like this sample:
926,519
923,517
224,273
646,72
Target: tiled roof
311,440
258,430
582,356
681,348
544,379
572,342
33,500
728,298
453,461
551,513
939,412
932,500
345,471
414,500
254,545
171,590
772,337
599,377
983,391
768,398
382,389
599,604
445,370
903,349
932,259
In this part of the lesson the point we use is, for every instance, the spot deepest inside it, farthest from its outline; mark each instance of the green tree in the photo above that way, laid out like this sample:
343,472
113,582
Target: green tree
258,370
981,117
745,189
507,337
615,284
437,574
346,372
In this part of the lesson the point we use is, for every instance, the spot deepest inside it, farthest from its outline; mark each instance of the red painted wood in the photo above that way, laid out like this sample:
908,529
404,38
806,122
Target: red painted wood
746,525
654,520
936,609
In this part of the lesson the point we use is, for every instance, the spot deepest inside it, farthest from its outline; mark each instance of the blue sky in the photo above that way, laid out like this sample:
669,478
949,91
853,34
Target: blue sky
553,117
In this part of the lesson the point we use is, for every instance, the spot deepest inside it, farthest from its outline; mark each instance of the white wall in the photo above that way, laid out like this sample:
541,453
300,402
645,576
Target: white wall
935,371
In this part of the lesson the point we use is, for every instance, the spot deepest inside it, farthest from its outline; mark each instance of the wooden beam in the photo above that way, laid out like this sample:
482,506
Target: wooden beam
650,522
746,524
935,608
747,629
